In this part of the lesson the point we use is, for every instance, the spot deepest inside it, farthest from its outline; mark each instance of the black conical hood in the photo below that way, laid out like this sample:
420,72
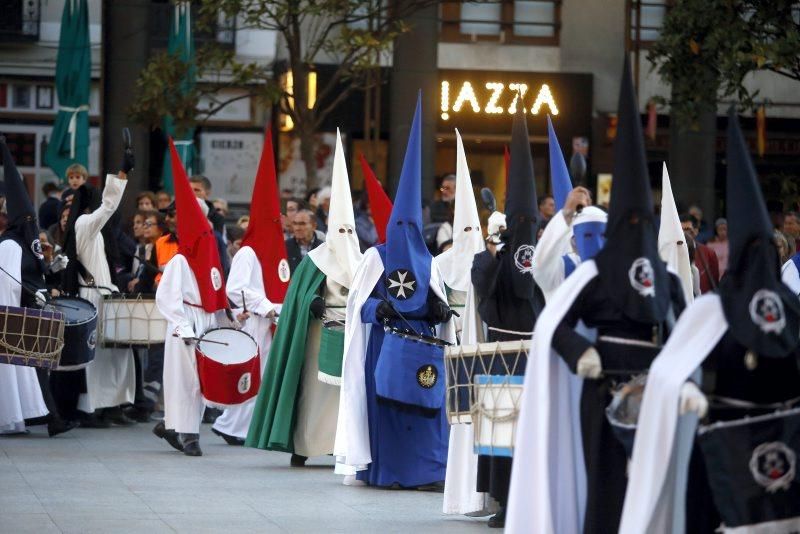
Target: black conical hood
522,211
762,313
629,266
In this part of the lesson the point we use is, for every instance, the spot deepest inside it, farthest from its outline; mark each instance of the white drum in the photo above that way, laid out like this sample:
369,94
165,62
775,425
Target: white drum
495,412
130,320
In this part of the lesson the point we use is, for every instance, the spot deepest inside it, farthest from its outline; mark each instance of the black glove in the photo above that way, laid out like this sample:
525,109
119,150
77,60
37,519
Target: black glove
128,161
439,312
317,307
385,311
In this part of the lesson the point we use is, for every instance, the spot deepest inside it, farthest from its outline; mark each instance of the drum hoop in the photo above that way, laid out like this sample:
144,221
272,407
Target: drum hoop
69,323
200,340
704,429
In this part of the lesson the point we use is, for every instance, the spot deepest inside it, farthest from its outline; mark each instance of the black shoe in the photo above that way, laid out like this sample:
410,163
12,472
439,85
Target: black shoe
170,436
230,440
95,421
298,461
117,417
140,415
59,426
435,487
192,448
211,414
498,520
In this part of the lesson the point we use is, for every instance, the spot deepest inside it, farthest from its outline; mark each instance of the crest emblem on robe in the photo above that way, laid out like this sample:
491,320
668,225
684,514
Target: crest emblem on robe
523,258
773,466
427,376
642,277
401,284
284,273
216,279
766,311
36,248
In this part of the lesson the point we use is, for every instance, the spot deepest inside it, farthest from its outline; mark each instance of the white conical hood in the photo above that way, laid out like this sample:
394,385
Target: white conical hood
671,241
455,263
339,256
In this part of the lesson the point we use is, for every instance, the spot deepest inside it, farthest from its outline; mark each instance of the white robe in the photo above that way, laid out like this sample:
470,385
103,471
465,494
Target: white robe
554,244
111,376
791,277
246,277
351,448
183,402
20,395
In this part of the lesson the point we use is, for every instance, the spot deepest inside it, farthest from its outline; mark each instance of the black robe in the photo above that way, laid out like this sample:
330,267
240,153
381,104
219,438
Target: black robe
605,456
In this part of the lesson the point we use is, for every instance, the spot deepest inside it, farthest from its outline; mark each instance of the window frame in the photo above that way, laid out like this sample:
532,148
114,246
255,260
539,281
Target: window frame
633,12
450,30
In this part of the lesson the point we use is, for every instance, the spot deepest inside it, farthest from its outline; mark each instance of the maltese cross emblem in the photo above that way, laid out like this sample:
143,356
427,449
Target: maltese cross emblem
400,284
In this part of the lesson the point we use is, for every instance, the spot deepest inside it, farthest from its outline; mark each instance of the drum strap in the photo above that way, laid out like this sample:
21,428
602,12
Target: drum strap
84,272
739,403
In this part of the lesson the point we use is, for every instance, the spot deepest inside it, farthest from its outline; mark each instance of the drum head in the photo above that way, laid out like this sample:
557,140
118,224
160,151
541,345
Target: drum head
227,346
75,309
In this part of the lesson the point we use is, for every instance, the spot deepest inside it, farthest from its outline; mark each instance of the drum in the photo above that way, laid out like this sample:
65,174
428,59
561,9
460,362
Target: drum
131,320
495,413
623,411
464,362
331,352
80,332
409,369
31,337
229,367
752,471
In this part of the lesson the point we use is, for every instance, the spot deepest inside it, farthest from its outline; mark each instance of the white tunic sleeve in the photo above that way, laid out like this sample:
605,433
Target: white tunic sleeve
548,264
91,224
791,277
11,262
246,276
169,295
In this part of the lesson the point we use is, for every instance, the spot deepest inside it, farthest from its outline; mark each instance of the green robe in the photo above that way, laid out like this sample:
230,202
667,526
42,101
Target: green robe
272,425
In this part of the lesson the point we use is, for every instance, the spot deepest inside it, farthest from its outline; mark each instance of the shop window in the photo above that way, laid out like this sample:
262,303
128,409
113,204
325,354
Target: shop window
645,20
21,97
534,22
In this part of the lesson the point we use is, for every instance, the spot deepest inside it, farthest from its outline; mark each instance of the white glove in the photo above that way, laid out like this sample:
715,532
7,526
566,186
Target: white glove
185,332
693,400
589,365
41,297
59,263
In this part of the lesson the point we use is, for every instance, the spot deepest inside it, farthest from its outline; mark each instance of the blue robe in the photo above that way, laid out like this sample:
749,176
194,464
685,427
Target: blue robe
408,444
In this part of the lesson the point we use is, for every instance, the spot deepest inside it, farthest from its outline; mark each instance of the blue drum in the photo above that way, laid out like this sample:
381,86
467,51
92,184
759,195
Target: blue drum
80,332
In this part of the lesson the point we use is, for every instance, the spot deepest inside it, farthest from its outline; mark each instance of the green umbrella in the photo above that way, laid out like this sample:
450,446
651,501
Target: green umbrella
181,44
69,142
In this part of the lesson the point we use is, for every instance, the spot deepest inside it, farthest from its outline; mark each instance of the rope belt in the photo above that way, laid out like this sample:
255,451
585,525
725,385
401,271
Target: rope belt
193,305
512,332
72,127
629,342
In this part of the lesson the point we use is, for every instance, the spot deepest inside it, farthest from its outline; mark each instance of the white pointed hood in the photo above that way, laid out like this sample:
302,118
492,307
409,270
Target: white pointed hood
671,241
339,256
455,263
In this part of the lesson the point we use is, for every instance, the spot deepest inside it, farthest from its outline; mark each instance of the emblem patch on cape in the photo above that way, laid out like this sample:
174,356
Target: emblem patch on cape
773,466
642,277
523,258
766,311
245,382
92,341
36,248
401,284
284,273
216,279
427,376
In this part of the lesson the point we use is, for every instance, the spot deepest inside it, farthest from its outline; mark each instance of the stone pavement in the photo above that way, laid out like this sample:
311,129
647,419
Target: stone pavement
125,480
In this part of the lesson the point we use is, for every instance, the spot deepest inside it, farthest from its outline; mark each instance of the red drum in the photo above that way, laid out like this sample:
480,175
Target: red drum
229,367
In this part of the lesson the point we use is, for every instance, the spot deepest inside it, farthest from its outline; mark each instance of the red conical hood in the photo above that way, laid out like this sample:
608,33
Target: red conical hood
265,232
379,203
196,240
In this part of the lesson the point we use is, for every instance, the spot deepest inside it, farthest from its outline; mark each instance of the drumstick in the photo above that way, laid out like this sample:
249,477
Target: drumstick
203,340
244,302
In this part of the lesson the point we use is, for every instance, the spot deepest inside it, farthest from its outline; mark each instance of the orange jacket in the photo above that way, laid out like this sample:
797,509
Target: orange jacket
166,249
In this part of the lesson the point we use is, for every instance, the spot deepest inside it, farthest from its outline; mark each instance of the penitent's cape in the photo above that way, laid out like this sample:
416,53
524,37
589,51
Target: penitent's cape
352,448
272,425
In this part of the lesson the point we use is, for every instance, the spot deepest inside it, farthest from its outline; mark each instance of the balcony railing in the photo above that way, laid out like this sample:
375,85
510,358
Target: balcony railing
19,20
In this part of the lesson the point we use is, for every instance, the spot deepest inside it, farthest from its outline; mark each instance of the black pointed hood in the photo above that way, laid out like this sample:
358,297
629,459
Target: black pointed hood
629,265
22,225
522,210
762,312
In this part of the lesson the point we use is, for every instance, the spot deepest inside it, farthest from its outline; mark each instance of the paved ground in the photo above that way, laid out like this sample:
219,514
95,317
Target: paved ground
126,480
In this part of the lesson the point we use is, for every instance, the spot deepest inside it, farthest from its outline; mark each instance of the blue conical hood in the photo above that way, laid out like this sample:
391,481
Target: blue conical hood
559,176
408,261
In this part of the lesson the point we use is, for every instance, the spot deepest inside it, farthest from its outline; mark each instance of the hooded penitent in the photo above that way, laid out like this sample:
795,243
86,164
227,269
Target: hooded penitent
408,261
455,263
196,240
559,176
522,211
671,241
265,233
379,204
339,256
85,199
22,227
762,313
629,265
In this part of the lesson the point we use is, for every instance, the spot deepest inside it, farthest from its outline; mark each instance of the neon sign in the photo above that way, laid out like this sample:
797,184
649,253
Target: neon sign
493,98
